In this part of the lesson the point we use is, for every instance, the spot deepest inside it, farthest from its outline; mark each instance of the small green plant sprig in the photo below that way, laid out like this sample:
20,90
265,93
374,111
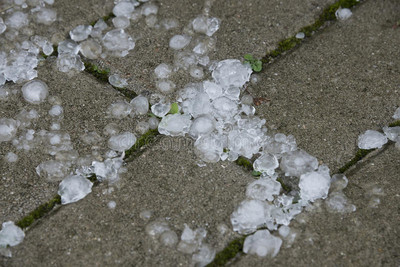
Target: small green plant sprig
256,64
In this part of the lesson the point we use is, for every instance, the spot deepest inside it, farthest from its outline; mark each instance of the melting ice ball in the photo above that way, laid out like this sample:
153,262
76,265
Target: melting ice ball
8,129
315,185
74,188
10,234
262,243
343,13
35,92
371,139
231,72
122,141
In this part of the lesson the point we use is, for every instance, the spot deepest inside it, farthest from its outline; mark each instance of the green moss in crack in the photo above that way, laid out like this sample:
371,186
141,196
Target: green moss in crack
394,124
126,92
39,212
228,253
360,154
100,74
245,163
145,139
284,186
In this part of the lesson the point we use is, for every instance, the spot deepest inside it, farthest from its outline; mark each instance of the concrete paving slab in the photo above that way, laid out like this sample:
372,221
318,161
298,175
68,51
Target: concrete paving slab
246,27
337,85
368,236
85,102
166,180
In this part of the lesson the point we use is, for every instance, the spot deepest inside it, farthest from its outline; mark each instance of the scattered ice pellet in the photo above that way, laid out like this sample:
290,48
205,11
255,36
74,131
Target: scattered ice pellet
11,157
149,9
163,71
262,243
68,47
74,188
392,133
231,72
178,42
296,163
371,139
140,105
169,238
17,20
80,32
122,141
45,16
156,228
338,202
118,42
175,125
8,129
35,92
69,62
169,23
142,127
338,182
201,126
90,49
314,185
266,163
300,35
121,22
145,215
153,123
343,13
263,189
111,205
396,114
249,216
124,8
56,111
98,28
165,86
204,255
119,109
11,235
160,109
108,170
196,72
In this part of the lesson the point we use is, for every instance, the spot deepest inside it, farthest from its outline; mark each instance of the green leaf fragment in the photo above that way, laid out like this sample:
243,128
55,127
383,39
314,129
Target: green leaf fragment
174,108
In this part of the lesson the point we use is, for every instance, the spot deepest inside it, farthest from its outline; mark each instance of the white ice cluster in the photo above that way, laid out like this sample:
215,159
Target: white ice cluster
10,235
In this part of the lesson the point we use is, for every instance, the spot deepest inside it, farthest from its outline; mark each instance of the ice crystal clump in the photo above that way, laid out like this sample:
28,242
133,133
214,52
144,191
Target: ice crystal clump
231,72
118,42
122,141
140,105
124,8
262,243
338,202
314,185
263,189
11,157
35,92
281,144
175,125
68,62
10,235
17,20
298,162
205,25
119,110
90,49
371,139
53,170
392,133
250,215
178,42
20,66
117,81
160,109
74,188
44,15
266,163
121,22
108,170
343,13
202,126
8,129
165,86
209,148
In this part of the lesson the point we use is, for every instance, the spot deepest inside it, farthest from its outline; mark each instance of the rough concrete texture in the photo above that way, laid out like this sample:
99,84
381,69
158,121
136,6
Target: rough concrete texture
336,85
247,27
166,180
85,102
367,237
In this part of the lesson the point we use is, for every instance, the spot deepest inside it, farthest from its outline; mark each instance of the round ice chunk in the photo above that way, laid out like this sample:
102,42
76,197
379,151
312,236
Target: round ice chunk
121,22
266,163
343,13
119,109
201,126
224,107
117,81
295,163
11,157
74,188
8,129
68,47
263,189
160,109
231,72
262,243
56,111
149,9
118,41
80,32
45,16
209,148
165,86
315,185
371,139
123,8
300,35
250,215
179,41
175,125
140,105
90,49
153,123
10,234
169,238
35,92
17,20
212,89
122,141
163,71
